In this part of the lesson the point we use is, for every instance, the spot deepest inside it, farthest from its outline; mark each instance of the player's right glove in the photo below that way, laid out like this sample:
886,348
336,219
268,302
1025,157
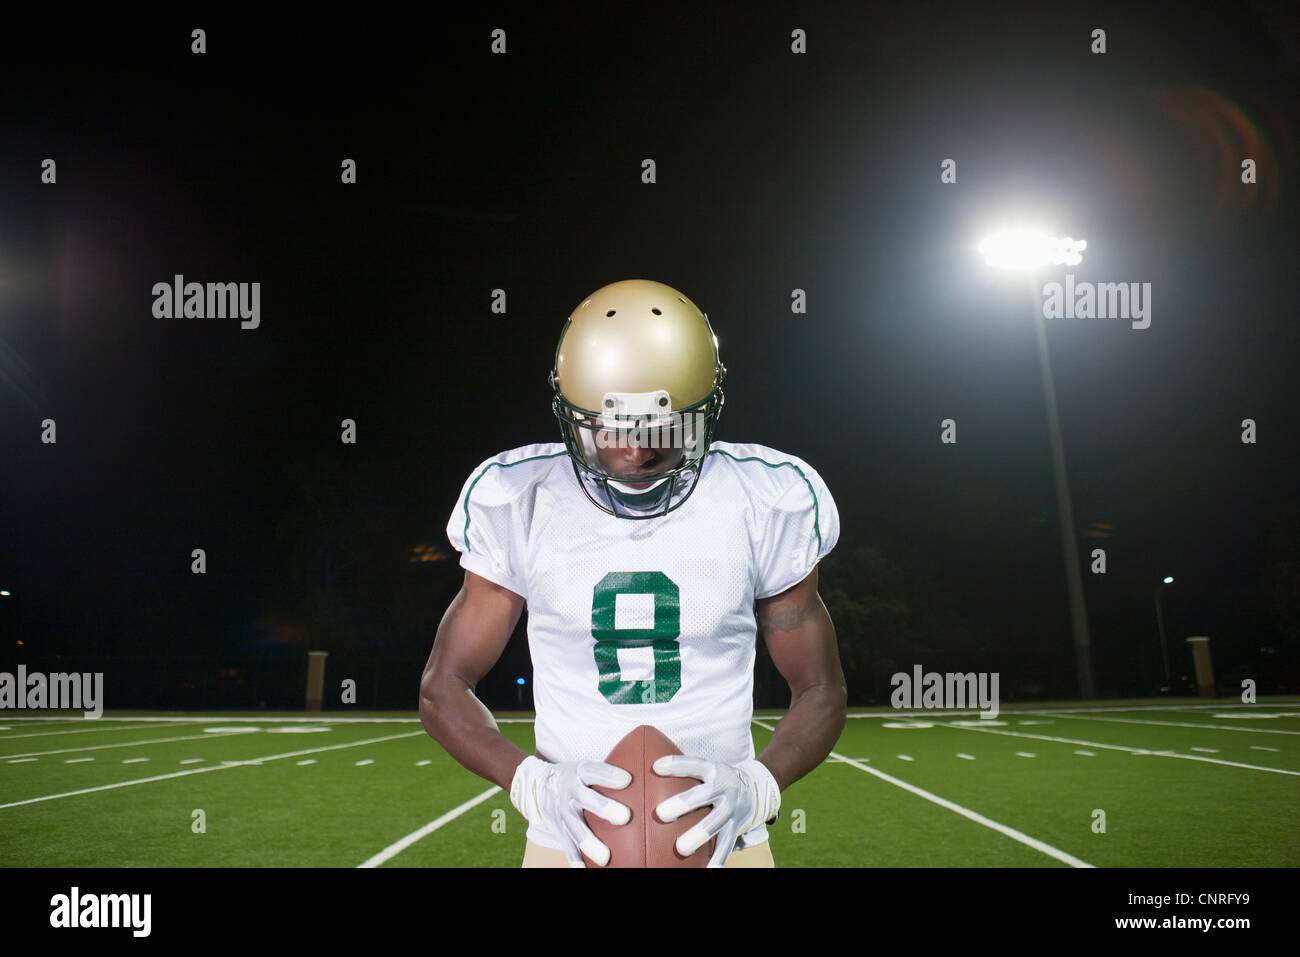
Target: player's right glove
553,796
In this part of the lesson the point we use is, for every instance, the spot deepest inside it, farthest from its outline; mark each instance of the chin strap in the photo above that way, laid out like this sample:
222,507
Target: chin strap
642,500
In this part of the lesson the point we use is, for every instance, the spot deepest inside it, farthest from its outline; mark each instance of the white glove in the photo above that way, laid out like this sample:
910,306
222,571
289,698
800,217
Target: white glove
553,797
743,797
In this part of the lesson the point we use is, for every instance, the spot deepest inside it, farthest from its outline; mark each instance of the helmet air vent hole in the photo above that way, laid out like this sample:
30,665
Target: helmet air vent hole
655,310
610,313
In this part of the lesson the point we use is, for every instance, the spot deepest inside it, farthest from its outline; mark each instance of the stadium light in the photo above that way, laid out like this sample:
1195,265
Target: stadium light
1026,251
1169,579
1023,249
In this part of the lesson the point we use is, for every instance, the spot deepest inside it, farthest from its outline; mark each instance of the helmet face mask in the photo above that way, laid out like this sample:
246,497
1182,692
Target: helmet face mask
637,368
681,438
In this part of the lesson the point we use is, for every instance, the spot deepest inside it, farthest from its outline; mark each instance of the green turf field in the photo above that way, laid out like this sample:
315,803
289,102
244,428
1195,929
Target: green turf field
1180,785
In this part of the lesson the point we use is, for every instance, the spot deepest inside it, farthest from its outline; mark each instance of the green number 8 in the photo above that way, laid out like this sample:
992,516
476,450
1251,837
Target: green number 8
662,637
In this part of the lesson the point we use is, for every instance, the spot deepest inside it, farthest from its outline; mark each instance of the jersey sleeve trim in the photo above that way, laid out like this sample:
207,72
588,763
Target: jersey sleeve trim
481,567
777,465
470,490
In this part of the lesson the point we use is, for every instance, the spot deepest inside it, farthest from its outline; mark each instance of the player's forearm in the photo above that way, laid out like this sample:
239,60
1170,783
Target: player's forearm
807,733
457,720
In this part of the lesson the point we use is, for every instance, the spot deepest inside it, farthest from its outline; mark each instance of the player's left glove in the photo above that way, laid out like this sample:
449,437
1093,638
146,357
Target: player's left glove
743,797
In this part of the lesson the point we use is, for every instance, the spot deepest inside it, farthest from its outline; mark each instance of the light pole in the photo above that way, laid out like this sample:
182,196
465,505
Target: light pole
1027,251
1160,624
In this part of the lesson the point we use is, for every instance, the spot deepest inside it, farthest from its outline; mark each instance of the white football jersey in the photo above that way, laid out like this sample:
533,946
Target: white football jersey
651,621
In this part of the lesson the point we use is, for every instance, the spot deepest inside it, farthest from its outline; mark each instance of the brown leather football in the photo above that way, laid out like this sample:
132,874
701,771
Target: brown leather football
646,841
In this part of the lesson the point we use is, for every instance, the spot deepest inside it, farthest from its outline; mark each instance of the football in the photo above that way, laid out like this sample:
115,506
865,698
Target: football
645,841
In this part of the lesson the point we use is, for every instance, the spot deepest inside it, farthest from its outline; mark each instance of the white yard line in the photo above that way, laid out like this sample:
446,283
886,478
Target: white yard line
392,850
932,713
126,744
1121,747
45,734
211,767
1182,724
1221,706
323,718
1010,832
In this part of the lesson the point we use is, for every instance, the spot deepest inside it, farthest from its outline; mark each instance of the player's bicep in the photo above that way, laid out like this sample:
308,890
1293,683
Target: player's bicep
800,636
473,633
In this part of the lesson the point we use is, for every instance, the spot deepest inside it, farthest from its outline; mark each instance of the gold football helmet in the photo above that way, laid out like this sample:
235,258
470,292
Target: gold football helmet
637,391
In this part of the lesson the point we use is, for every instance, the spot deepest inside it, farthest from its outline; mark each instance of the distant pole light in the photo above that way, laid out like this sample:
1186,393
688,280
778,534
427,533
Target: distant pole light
520,681
1160,626
4,593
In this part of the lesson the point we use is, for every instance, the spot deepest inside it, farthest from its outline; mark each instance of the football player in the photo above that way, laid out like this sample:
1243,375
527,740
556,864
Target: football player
649,555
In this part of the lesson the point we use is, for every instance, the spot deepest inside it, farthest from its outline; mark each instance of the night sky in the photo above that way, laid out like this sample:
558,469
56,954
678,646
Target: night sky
522,172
